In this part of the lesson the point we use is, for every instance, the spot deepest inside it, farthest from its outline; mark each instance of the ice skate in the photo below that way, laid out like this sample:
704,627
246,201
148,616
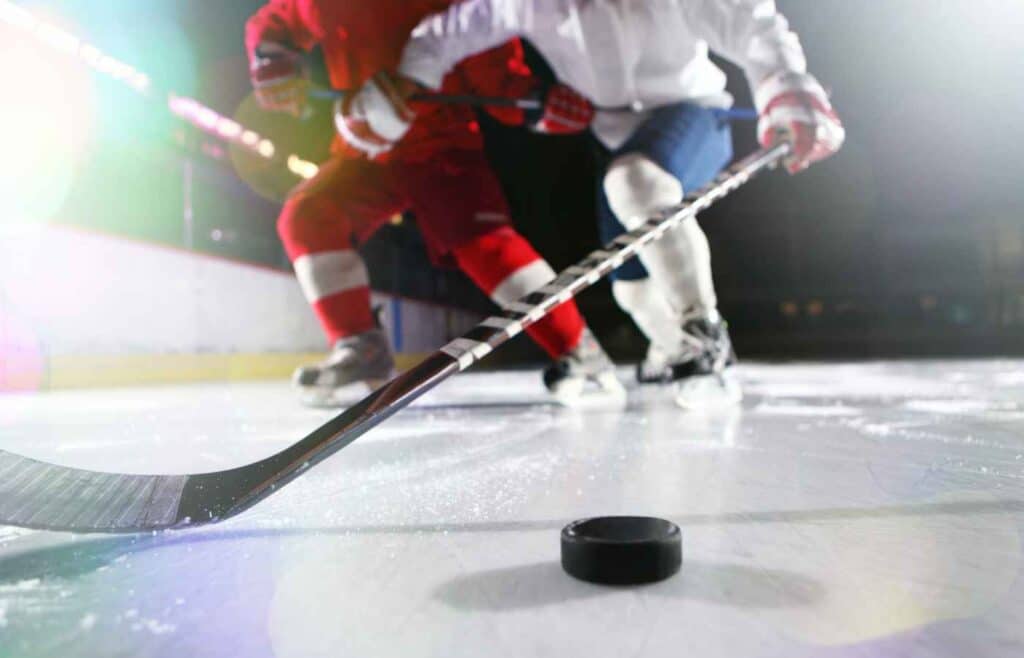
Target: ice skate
356,365
703,373
656,367
584,376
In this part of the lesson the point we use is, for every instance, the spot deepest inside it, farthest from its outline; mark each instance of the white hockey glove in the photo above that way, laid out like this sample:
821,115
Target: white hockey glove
800,113
377,116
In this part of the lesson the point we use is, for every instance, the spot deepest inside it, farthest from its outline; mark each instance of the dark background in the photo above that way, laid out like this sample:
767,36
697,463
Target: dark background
909,242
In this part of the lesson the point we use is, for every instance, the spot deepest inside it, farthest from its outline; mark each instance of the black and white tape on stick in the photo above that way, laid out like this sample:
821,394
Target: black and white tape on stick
37,494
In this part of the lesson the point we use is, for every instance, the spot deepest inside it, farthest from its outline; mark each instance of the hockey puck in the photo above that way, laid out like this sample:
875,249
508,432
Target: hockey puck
622,550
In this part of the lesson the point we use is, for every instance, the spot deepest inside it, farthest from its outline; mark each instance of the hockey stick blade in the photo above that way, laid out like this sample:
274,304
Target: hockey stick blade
35,494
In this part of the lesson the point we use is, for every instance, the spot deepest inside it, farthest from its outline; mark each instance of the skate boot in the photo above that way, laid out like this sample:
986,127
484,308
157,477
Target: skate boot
356,365
656,368
567,378
702,371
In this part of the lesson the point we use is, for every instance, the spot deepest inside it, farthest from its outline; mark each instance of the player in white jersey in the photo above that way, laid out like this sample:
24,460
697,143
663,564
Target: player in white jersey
650,56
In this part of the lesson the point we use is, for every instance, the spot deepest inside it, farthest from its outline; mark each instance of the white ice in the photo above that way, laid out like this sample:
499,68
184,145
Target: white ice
846,511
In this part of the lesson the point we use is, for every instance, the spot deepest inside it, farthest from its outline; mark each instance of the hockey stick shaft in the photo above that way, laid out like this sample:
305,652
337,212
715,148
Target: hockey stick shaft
448,99
479,101
463,352
529,103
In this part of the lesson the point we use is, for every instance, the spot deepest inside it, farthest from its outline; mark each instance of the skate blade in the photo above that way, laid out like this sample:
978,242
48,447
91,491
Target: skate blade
604,392
709,392
329,397
374,384
653,375
334,398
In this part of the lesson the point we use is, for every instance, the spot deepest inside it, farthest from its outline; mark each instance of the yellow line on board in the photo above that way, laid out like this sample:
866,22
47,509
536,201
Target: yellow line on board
102,371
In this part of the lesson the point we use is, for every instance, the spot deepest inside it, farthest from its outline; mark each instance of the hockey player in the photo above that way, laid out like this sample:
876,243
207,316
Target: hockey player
439,172
652,58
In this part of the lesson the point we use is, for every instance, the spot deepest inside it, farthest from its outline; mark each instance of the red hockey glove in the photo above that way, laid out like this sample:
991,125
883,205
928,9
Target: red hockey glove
279,79
377,116
807,121
565,112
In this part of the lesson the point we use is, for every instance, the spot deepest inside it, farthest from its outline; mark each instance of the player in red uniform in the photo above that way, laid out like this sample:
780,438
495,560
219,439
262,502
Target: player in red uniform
438,171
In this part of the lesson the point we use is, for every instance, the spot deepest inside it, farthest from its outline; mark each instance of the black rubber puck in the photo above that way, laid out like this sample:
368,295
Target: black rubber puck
622,550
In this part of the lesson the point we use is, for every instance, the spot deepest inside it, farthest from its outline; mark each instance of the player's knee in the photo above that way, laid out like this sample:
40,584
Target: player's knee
489,244
290,221
635,186
307,221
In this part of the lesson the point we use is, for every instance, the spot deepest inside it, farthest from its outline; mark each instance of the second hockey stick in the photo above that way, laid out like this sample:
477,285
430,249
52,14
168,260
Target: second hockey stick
530,103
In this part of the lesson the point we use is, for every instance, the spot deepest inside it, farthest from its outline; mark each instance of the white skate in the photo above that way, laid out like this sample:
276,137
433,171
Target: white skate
585,377
356,366
702,371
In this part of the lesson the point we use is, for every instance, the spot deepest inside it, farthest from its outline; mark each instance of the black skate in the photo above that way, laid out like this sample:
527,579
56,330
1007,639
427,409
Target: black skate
356,365
656,368
567,378
701,370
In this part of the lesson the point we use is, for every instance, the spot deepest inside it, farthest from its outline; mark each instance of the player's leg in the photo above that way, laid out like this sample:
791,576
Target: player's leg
505,266
463,213
643,299
318,224
680,263
681,147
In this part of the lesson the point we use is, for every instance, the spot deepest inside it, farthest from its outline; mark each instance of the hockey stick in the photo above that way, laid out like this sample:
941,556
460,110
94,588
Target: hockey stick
36,494
527,103
530,103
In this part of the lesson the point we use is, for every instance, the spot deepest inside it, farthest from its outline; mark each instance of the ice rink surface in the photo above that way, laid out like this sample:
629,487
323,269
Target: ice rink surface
846,511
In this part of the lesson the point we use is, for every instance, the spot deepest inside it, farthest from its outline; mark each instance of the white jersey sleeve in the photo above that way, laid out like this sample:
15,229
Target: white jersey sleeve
466,28
755,36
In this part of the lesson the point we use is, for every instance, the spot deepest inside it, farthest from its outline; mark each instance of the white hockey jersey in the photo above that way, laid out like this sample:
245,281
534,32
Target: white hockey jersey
638,53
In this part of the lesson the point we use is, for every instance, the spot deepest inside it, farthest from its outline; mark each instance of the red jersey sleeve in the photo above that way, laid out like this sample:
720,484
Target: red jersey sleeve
292,23
501,71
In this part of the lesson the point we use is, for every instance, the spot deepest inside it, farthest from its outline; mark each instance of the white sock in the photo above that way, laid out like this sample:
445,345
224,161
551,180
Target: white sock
680,262
645,303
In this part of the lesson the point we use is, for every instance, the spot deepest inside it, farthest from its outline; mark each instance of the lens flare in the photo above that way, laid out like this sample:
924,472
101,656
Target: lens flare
46,121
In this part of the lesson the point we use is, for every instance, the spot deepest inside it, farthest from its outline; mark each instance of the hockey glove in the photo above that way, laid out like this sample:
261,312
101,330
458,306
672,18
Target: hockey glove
806,119
377,116
279,79
565,112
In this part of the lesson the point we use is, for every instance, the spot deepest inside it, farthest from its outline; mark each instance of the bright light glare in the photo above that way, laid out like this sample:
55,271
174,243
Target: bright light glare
51,151
17,16
228,129
266,148
45,121
59,39
207,118
302,168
